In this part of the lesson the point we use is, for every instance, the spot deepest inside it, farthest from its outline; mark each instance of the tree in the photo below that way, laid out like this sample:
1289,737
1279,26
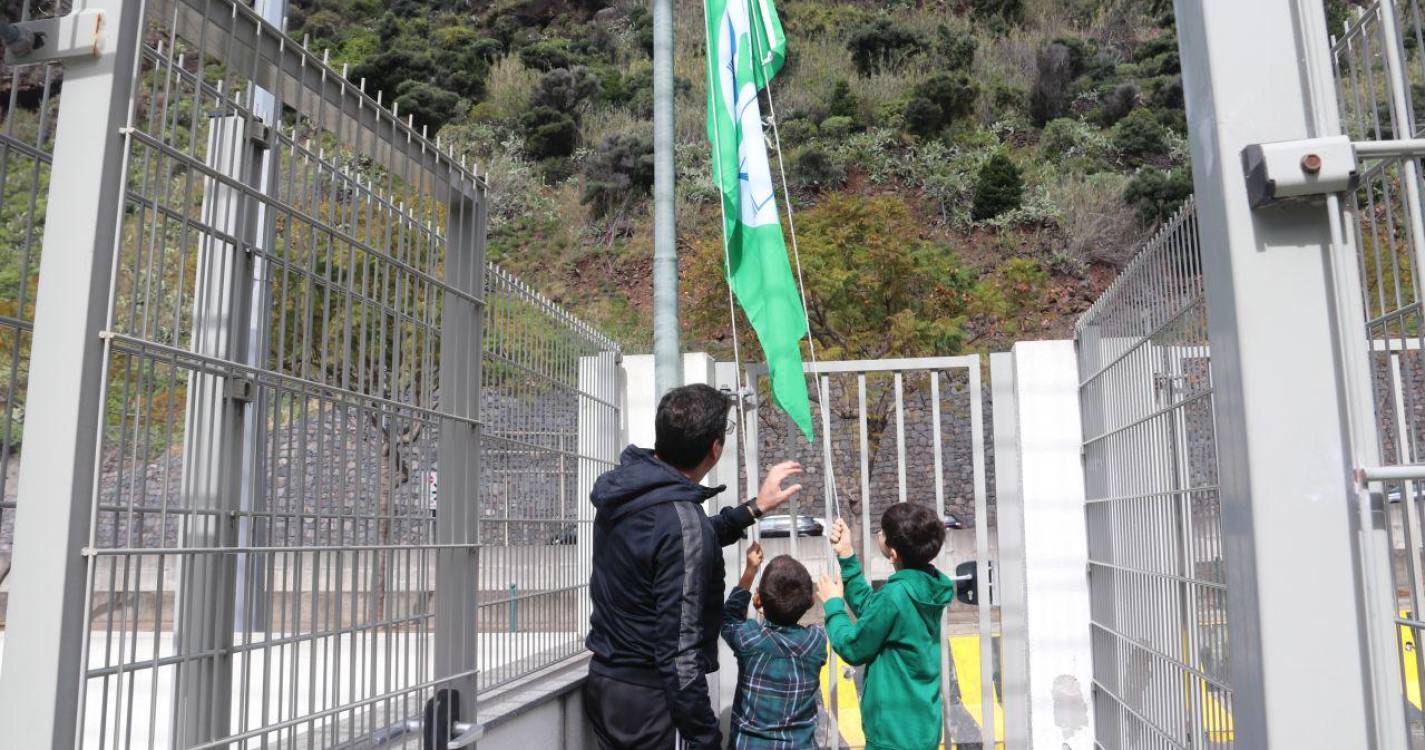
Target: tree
956,49
1139,137
549,133
874,288
938,101
882,45
842,103
1156,193
998,188
431,105
620,170
566,89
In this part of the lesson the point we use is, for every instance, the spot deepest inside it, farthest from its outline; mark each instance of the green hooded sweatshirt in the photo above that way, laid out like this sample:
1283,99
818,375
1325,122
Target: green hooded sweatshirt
897,632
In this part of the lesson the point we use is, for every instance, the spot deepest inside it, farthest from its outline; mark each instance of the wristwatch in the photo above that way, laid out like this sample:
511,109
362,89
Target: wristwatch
753,509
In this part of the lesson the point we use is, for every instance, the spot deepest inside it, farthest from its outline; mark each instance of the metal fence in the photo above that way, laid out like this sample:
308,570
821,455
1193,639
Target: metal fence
1380,70
1158,594
278,503
893,431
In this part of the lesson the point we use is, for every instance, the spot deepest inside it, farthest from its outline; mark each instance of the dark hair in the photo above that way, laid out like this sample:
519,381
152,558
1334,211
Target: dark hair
785,590
913,532
690,419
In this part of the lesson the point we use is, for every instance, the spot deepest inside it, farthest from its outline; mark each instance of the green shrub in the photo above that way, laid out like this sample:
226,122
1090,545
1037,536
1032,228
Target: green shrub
1166,93
565,89
1338,14
955,49
998,188
837,127
548,54
882,45
392,67
797,130
1139,137
814,169
549,133
487,49
1156,193
1066,139
1010,11
1054,74
938,101
620,169
431,105
842,103
1116,104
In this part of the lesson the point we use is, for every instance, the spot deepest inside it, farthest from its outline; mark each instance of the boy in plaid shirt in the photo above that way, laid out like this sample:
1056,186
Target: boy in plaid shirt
778,662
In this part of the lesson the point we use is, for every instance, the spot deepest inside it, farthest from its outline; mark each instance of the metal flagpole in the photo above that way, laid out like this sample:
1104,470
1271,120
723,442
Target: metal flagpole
667,355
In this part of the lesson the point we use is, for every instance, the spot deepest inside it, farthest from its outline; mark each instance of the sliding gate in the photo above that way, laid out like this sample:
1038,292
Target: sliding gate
892,431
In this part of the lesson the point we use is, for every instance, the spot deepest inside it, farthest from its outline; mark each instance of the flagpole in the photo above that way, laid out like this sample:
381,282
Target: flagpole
667,354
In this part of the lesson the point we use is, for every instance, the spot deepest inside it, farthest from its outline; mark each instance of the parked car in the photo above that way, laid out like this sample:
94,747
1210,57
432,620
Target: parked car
952,522
567,535
780,526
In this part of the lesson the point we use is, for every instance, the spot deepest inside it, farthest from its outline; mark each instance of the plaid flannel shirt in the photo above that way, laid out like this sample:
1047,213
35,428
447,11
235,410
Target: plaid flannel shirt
778,679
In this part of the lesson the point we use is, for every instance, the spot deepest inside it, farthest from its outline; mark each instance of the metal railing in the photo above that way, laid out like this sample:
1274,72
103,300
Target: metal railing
1379,72
333,459
1158,594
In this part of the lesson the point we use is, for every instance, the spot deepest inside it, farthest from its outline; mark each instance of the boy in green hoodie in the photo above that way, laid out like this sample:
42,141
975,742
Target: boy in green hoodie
897,629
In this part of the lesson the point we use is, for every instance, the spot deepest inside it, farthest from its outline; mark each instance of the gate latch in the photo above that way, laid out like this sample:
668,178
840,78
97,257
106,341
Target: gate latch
79,34
1299,169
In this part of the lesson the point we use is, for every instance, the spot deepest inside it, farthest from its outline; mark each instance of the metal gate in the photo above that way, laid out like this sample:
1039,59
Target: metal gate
1154,517
301,469
893,431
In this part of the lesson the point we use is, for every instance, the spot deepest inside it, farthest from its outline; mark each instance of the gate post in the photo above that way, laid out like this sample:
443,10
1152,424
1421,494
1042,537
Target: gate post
41,684
1043,548
1257,73
457,566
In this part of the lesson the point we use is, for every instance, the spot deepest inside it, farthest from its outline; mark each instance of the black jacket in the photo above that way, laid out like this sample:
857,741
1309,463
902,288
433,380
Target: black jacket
657,585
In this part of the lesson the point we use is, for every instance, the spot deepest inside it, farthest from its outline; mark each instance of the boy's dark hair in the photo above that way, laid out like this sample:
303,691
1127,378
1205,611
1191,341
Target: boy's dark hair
785,590
690,419
913,532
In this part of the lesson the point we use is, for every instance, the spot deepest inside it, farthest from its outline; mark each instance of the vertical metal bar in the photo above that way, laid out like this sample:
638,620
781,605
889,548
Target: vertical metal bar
945,656
865,465
982,557
41,679
833,665
900,435
213,452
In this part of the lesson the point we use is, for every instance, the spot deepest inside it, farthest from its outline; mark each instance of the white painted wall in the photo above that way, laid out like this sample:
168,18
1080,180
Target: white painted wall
1041,514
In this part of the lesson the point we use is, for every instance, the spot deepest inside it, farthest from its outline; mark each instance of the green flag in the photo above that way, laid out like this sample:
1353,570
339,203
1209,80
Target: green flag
746,48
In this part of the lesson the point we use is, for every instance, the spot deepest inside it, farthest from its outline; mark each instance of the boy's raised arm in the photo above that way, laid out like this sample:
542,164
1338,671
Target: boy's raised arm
857,590
736,629
860,641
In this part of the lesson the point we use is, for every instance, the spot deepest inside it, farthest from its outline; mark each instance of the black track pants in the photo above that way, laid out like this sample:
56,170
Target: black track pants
627,716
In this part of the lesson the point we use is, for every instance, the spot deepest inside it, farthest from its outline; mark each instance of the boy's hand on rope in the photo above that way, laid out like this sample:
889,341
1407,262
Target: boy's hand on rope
829,587
749,572
754,556
841,539
773,494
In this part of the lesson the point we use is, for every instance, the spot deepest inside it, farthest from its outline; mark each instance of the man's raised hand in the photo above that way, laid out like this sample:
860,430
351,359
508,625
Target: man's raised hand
773,494
841,539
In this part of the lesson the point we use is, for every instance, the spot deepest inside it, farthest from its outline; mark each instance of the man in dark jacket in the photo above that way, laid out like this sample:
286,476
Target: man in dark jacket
657,582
